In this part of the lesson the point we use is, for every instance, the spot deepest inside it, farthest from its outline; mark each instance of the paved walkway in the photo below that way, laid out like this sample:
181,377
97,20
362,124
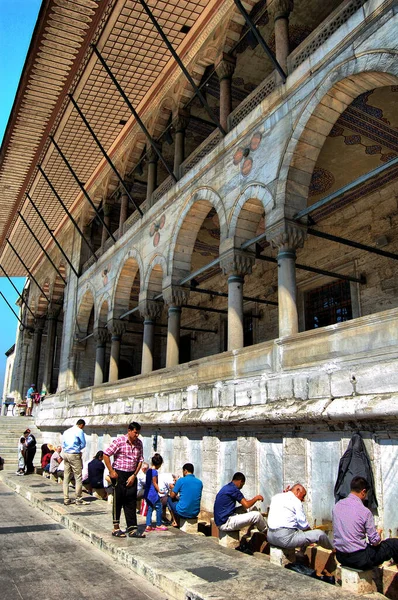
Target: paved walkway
40,559
189,567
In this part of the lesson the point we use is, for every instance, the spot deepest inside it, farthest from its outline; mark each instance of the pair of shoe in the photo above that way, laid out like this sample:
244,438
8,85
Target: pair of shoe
19,473
157,528
80,501
68,502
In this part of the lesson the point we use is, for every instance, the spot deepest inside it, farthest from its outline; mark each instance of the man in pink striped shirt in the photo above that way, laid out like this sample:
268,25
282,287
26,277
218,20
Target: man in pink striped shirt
127,452
357,541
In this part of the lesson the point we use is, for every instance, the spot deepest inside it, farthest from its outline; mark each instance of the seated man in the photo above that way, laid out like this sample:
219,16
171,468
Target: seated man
352,523
185,496
96,470
229,518
56,460
287,524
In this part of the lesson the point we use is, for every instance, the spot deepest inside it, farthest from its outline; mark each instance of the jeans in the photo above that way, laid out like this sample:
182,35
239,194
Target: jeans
158,507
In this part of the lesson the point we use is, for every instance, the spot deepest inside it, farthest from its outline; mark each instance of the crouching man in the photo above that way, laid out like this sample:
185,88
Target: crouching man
227,516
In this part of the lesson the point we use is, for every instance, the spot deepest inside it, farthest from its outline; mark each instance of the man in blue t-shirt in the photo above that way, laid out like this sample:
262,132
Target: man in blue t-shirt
229,518
185,495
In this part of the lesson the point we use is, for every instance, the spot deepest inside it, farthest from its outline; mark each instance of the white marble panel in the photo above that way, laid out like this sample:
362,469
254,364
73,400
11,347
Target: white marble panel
195,455
325,457
389,472
228,460
166,450
270,471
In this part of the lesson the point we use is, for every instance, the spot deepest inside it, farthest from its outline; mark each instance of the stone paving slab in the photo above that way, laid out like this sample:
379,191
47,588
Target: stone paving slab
186,567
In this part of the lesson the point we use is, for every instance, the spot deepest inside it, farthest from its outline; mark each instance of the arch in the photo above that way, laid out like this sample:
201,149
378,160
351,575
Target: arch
58,286
187,227
157,270
254,203
42,302
86,306
130,269
104,307
337,90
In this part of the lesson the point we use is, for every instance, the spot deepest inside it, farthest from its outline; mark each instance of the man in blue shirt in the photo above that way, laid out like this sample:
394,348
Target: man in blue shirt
73,443
188,490
229,518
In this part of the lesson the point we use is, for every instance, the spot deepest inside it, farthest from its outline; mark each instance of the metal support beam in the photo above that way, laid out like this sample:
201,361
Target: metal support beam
16,289
182,67
11,308
26,269
345,242
209,309
52,235
136,115
104,153
41,246
260,39
81,186
361,279
58,197
200,271
225,295
346,188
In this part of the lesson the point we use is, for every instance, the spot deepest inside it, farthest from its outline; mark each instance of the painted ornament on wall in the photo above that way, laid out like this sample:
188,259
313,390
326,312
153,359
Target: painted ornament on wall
104,275
155,230
242,155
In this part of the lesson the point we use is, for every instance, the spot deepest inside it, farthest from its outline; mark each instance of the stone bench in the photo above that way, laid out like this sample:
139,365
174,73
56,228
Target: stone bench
357,581
189,525
281,556
229,539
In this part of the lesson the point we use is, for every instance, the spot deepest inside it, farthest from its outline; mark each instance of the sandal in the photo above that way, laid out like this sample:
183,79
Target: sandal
136,534
148,528
118,533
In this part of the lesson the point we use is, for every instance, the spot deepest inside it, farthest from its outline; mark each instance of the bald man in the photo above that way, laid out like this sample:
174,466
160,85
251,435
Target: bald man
287,524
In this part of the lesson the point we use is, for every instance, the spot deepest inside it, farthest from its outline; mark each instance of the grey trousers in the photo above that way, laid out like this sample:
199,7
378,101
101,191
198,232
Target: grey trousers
73,465
295,538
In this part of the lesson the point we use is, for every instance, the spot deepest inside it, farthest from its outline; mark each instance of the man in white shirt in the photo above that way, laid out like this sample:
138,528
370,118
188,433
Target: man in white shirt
287,524
73,444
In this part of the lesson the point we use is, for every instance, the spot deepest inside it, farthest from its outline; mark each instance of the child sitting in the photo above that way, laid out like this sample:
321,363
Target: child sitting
151,495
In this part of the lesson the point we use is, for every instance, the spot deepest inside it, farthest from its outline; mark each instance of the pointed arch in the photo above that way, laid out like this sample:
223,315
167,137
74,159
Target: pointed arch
129,276
249,212
86,306
156,272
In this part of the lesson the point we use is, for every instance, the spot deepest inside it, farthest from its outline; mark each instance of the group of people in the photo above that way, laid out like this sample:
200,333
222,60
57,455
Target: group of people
357,542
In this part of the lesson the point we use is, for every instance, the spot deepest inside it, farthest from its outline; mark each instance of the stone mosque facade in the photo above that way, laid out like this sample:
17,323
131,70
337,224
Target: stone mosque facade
226,270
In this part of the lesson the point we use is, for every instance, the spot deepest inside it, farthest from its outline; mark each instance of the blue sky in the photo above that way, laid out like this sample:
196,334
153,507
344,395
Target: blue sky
17,21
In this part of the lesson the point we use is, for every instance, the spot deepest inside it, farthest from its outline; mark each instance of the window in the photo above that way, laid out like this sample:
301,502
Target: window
327,305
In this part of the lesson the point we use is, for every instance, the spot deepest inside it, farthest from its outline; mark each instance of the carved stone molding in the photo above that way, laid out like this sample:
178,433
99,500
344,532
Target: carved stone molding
151,154
237,262
175,295
150,310
280,9
225,67
180,121
287,236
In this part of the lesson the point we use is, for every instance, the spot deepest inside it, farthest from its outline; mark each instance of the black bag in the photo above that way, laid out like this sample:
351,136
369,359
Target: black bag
302,569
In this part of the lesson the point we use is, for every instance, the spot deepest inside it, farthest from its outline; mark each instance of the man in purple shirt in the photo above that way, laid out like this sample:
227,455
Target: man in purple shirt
357,541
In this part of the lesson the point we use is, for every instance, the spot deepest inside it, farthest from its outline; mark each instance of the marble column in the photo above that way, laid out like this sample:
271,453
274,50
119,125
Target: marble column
287,240
236,264
153,159
174,296
150,311
100,336
124,203
116,327
180,124
52,316
36,350
279,10
225,67
107,211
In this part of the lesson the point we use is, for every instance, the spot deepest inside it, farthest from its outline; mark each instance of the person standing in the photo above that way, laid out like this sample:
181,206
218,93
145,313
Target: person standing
357,541
30,442
127,452
73,443
21,456
29,400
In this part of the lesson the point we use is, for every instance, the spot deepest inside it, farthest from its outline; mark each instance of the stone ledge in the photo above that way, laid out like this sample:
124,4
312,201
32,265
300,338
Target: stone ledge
172,564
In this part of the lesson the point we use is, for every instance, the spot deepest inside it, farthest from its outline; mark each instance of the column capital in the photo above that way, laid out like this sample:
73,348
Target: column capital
150,310
225,66
180,121
107,209
53,311
175,295
280,9
39,324
286,235
237,262
116,327
151,154
101,335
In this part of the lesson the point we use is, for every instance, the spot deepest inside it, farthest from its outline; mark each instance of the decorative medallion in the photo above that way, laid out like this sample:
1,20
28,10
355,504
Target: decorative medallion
155,230
242,154
322,180
104,275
